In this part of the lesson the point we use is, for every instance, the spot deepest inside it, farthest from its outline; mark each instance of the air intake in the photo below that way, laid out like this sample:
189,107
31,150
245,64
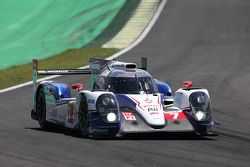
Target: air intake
131,66
123,66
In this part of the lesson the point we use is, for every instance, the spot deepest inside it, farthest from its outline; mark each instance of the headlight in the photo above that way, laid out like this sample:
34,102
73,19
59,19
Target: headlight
201,99
107,107
108,101
200,104
200,115
111,117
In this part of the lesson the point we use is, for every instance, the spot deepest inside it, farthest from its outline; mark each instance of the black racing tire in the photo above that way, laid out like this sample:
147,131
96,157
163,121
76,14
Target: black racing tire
204,131
83,118
41,109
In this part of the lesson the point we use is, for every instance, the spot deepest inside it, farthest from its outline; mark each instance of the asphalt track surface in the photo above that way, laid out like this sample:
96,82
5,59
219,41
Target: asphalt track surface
205,41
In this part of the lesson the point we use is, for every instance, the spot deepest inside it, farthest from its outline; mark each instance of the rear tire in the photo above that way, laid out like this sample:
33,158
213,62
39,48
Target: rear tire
83,118
41,110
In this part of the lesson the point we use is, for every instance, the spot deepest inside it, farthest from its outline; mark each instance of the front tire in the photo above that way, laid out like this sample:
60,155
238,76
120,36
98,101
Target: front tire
83,118
204,131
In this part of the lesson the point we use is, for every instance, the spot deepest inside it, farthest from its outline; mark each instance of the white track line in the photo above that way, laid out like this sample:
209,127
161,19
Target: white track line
144,33
131,46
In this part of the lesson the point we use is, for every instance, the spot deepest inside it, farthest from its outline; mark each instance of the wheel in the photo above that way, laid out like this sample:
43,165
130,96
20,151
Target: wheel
204,131
41,109
83,118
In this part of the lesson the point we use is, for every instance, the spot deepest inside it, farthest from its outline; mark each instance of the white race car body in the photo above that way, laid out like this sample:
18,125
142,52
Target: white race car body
123,100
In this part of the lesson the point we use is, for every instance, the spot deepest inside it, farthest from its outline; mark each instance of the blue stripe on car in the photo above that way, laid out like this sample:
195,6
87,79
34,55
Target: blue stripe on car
125,101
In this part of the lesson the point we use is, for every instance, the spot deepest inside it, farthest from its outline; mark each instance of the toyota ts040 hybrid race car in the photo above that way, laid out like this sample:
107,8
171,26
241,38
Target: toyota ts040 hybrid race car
123,99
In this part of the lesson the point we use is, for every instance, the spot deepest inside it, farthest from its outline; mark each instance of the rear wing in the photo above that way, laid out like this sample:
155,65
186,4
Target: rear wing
36,72
58,71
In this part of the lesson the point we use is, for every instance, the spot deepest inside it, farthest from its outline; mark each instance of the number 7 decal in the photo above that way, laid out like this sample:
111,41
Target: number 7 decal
175,115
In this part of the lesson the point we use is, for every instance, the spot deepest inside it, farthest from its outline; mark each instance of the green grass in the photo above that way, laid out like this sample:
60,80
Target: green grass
69,59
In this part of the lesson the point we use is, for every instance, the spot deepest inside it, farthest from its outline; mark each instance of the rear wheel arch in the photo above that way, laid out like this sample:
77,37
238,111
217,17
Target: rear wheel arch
41,108
38,92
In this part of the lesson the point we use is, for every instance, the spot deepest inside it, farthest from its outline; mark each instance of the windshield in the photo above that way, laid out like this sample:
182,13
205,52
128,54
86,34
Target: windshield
131,85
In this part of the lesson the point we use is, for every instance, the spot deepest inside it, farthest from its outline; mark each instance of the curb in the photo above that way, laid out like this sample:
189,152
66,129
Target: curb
135,25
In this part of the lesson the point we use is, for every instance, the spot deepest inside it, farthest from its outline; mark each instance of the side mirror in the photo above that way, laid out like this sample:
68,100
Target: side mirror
77,86
187,84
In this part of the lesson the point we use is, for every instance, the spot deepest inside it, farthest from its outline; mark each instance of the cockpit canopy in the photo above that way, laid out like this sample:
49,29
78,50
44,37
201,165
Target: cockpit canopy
126,82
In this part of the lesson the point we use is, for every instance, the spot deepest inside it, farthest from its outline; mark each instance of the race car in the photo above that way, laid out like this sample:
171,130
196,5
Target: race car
123,99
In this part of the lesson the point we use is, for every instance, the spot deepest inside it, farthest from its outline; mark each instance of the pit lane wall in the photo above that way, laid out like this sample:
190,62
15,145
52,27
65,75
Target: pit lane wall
42,28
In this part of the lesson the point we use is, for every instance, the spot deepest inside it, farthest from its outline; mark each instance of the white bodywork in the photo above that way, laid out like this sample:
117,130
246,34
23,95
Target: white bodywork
92,98
181,98
150,107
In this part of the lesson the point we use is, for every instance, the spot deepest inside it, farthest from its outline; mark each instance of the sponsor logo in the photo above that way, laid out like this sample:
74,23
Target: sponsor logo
152,109
128,116
150,105
154,113
91,101
148,101
175,115
56,71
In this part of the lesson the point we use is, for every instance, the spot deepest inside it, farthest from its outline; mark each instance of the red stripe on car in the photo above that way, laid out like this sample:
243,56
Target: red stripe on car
175,116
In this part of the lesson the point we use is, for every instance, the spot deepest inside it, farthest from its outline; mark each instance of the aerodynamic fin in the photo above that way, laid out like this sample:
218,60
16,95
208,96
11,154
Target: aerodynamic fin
144,63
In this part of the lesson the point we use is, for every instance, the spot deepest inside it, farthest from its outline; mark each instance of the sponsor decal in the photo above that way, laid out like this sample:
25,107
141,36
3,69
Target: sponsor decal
128,75
91,101
147,106
176,115
154,113
128,116
57,71
148,101
152,109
